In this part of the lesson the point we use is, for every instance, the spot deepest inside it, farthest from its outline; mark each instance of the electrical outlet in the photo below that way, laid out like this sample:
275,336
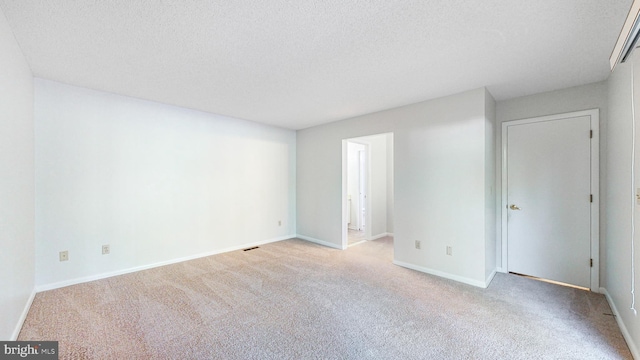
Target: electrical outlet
418,244
279,222
64,255
449,251
106,250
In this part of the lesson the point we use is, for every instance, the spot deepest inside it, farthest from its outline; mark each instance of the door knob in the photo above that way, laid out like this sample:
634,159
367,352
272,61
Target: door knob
513,207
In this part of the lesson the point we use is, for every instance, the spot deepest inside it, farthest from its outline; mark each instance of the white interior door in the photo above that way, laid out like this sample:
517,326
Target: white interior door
549,199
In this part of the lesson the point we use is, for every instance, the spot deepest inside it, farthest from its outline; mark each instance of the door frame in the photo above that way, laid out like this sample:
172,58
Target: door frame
345,161
595,186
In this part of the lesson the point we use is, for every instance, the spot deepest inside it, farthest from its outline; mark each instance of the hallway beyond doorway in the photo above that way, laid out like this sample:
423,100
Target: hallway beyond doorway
355,237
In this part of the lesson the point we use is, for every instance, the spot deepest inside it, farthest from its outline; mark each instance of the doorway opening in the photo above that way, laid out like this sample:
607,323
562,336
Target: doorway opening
367,179
358,171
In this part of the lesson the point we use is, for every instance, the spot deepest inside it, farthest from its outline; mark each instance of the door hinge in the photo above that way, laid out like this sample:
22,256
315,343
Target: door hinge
591,198
590,134
591,262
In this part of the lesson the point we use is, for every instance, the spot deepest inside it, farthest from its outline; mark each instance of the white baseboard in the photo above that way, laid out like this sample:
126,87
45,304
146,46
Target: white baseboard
445,275
381,236
320,242
625,333
490,278
23,316
80,280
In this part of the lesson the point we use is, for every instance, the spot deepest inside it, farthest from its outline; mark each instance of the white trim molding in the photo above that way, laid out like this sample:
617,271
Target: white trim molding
23,316
321,242
633,347
380,236
594,115
85,279
489,278
445,275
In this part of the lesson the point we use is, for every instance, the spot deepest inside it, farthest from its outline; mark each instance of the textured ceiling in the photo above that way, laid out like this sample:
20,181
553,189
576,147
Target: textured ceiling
301,63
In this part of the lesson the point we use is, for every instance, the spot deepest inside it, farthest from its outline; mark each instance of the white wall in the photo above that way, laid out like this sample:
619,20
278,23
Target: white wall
156,182
490,230
439,155
17,254
378,183
591,96
620,202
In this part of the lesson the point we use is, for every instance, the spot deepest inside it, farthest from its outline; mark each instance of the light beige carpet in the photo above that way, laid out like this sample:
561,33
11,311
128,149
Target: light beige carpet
297,300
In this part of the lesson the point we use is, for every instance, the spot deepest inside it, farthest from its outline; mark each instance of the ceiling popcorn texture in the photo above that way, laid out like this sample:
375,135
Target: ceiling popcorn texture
296,64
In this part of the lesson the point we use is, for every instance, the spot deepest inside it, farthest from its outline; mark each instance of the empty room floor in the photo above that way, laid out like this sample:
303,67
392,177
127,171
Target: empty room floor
294,299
